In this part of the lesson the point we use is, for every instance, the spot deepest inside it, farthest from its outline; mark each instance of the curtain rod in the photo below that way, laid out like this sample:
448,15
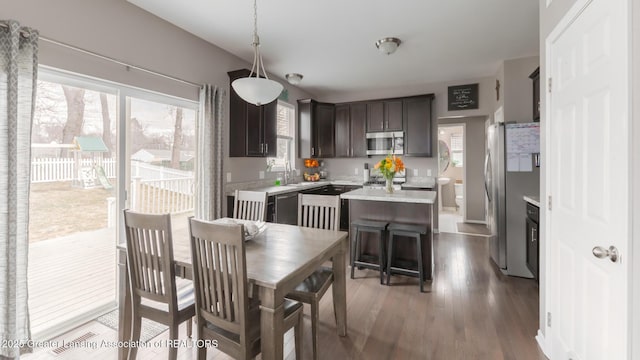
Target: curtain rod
108,58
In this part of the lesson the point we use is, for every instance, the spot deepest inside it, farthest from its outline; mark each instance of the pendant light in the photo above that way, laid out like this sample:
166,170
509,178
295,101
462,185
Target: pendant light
255,89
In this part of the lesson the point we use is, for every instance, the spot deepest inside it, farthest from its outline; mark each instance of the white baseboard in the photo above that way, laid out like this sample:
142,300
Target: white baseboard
542,343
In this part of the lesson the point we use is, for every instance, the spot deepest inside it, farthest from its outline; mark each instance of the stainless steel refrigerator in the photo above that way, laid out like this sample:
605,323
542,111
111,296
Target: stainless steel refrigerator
506,208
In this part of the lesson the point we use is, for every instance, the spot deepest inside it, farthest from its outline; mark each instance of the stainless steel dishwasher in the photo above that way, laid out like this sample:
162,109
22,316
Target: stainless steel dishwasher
287,208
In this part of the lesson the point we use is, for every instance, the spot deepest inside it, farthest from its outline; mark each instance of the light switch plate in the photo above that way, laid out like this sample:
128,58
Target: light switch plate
415,172
261,174
356,171
428,172
297,172
228,177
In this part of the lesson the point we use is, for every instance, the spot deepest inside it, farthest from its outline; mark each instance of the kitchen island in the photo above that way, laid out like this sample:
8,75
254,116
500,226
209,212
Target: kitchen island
402,206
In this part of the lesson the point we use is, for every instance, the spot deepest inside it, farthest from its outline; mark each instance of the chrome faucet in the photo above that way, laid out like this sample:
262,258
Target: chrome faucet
287,172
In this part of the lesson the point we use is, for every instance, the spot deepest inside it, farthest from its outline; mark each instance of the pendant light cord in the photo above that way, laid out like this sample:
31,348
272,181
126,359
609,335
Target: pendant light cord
257,57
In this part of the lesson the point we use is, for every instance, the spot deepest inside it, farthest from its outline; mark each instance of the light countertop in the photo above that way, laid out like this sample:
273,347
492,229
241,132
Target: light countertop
283,189
400,196
533,200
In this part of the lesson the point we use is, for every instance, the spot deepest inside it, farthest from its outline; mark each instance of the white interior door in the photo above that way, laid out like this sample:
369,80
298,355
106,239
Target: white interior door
588,179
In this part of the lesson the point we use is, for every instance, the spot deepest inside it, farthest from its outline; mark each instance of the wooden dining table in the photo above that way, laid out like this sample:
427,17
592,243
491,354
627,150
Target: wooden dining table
278,259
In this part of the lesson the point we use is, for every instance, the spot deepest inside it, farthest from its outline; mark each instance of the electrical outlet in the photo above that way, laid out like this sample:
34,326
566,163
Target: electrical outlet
261,174
297,172
428,172
228,177
356,171
415,172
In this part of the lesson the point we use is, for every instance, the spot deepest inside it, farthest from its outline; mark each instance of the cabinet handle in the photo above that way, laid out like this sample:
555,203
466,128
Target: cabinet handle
313,151
533,235
382,124
261,148
266,148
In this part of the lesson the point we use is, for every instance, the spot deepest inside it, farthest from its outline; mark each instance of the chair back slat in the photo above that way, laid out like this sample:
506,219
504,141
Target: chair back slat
150,255
219,273
250,205
319,211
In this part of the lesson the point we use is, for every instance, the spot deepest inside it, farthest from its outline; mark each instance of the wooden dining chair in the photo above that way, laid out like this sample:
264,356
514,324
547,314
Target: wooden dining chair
320,212
155,293
224,311
250,205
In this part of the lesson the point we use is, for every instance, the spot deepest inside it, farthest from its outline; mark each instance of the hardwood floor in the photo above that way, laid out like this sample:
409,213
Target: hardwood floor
471,312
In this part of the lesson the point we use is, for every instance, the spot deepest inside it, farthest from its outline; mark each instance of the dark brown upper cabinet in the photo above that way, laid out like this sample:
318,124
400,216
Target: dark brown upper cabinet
358,129
417,125
535,77
316,129
350,130
252,129
343,131
339,130
384,115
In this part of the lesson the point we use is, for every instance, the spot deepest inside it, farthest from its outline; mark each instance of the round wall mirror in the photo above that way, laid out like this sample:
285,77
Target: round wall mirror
444,156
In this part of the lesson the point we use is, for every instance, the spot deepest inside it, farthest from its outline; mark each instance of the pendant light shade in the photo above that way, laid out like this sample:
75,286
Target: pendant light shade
255,89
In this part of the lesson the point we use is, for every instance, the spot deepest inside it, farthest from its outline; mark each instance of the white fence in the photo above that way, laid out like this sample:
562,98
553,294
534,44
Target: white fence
162,196
154,189
64,169
154,172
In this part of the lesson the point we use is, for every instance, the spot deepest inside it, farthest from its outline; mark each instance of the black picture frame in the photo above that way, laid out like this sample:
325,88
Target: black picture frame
463,97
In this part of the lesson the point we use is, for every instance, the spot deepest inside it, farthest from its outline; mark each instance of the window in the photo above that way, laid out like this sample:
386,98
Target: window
285,138
457,150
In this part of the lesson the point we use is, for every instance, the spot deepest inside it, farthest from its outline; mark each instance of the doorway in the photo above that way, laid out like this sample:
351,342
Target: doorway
451,176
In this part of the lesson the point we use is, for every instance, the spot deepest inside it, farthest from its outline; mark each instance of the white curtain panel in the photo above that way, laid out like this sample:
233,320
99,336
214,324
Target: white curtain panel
209,181
18,74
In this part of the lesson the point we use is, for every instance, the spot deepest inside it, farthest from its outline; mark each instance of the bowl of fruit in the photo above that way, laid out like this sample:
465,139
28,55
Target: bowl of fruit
311,177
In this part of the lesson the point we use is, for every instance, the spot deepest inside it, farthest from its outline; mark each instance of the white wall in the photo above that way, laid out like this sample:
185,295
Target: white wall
120,30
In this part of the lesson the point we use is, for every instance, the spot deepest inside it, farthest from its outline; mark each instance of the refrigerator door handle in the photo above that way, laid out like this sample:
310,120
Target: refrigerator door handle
487,179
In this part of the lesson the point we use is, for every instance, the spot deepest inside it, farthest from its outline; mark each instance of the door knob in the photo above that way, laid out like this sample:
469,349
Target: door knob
611,253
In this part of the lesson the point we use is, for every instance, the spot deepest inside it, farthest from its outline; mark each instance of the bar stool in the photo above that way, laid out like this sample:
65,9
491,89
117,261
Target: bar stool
370,226
411,231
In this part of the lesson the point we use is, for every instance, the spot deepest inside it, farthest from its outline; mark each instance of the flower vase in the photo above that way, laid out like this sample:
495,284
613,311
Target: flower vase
389,186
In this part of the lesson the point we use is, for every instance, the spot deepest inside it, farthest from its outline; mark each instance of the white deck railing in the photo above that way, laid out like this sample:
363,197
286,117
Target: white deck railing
162,196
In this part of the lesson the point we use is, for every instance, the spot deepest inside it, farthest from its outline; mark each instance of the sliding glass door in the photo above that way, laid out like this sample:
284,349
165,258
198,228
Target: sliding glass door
98,148
162,152
72,205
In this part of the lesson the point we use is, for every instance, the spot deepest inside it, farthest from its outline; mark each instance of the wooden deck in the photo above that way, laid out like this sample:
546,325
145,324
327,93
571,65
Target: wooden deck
72,280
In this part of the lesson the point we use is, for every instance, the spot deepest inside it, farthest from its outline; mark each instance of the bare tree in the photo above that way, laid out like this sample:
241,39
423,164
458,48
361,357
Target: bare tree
106,123
177,140
75,113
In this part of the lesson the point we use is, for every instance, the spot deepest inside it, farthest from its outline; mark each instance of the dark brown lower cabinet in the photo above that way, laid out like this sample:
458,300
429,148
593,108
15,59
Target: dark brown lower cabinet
533,250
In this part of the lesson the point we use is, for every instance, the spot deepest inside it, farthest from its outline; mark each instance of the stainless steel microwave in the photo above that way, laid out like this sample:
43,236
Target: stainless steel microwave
383,143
